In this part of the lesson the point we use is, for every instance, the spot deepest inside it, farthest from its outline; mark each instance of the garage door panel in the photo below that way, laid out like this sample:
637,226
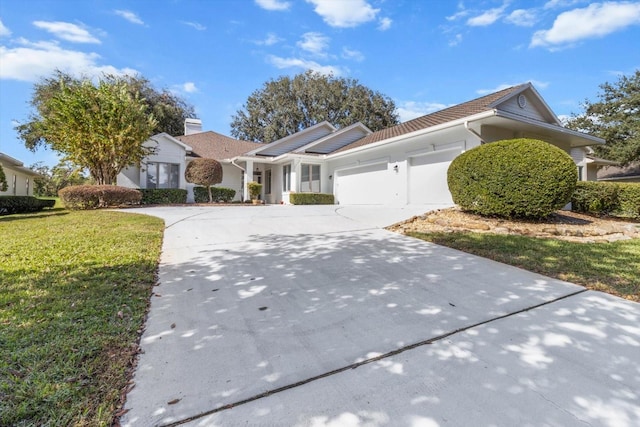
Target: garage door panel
428,178
363,185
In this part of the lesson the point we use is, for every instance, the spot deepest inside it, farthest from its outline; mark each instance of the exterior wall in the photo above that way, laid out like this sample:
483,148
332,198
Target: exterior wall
231,178
399,154
529,110
18,182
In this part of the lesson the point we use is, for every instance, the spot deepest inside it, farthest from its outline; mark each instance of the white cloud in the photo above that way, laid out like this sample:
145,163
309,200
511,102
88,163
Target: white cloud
385,24
537,83
355,55
487,17
522,17
553,4
408,110
344,13
129,16
31,61
315,43
189,87
270,40
456,40
596,20
304,64
4,31
461,13
277,5
67,31
195,25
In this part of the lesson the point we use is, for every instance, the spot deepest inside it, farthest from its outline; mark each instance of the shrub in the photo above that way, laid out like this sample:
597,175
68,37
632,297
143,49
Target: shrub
311,199
163,196
254,190
98,196
518,178
610,198
23,204
218,194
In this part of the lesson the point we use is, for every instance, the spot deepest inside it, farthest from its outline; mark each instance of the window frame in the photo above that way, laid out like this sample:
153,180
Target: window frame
307,169
170,173
286,177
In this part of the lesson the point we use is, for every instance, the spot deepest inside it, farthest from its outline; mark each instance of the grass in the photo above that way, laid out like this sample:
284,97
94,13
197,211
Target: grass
608,267
74,288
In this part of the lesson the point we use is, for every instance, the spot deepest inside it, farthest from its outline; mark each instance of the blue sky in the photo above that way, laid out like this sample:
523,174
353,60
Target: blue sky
424,54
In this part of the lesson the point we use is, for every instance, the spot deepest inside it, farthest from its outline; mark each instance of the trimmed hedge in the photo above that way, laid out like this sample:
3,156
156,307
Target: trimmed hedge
219,194
80,197
517,178
163,196
607,198
23,204
311,199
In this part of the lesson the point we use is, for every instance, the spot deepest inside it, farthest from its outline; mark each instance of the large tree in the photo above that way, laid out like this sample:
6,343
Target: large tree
100,127
287,105
615,118
169,110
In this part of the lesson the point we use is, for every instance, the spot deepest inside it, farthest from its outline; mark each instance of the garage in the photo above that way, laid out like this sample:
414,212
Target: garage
428,177
364,185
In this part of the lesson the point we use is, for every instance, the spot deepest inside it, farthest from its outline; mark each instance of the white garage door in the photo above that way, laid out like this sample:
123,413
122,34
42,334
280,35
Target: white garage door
365,185
428,177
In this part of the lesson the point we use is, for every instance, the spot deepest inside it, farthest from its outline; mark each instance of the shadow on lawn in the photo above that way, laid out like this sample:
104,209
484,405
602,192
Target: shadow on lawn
34,215
252,317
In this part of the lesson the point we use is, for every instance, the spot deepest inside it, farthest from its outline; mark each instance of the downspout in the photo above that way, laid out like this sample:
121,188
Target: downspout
244,172
466,126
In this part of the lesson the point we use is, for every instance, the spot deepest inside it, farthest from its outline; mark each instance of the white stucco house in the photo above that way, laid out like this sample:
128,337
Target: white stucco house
19,178
403,164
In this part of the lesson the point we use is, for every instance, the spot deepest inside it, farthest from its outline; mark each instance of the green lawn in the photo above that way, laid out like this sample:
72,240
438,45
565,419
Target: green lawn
608,267
74,288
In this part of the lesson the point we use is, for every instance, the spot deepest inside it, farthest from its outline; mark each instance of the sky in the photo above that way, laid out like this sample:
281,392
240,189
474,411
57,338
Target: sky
424,54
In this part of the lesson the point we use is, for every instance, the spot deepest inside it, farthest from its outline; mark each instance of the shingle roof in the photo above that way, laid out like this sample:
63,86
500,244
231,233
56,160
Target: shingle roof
213,145
455,112
617,172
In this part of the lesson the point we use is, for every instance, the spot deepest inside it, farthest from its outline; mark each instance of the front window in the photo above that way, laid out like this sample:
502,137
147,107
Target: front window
580,168
286,178
163,175
310,178
267,181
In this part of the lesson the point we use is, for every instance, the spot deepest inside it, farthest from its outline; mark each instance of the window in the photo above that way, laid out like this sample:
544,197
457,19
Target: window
310,178
27,186
163,175
14,184
580,168
286,178
267,181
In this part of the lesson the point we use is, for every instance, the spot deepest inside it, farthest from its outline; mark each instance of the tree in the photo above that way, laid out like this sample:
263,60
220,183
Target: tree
615,118
54,179
287,105
100,127
169,110
3,180
205,172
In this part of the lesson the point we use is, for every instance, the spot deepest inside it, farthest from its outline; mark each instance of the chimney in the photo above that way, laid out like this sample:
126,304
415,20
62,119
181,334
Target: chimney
192,126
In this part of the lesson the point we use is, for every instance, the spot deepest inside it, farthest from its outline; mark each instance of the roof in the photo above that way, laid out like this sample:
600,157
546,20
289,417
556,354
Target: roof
213,145
296,140
16,164
455,112
616,172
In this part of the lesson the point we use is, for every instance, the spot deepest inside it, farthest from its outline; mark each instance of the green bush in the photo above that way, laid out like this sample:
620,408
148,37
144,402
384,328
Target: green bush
78,197
607,198
311,199
163,196
517,178
219,194
254,189
23,204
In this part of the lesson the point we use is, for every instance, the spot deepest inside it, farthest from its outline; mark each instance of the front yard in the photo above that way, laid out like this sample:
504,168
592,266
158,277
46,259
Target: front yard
74,292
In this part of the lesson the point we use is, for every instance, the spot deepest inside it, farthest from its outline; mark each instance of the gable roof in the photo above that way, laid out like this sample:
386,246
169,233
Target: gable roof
213,145
15,164
611,173
456,112
294,141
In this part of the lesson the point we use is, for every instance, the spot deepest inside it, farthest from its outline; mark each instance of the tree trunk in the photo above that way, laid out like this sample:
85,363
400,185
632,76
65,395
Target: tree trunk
210,197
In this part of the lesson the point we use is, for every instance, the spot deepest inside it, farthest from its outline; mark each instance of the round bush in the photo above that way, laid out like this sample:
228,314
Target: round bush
516,178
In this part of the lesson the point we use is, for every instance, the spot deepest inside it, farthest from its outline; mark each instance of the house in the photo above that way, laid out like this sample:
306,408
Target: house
615,173
403,164
19,178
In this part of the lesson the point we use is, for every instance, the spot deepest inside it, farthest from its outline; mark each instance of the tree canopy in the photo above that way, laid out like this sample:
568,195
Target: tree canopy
53,179
169,110
100,127
287,105
205,172
615,118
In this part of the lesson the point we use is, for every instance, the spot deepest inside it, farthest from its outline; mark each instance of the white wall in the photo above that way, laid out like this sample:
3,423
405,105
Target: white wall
18,182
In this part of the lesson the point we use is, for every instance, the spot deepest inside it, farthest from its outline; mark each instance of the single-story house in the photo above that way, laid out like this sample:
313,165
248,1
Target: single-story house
403,164
19,178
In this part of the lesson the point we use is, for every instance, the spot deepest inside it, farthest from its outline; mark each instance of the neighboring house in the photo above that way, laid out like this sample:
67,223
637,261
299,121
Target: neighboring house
403,164
588,164
19,178
629,173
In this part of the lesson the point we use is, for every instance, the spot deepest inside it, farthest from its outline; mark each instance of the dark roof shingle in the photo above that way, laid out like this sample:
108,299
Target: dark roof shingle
213,145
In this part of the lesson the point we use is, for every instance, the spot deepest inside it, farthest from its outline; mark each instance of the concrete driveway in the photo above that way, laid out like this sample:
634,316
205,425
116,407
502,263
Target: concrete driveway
316,316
